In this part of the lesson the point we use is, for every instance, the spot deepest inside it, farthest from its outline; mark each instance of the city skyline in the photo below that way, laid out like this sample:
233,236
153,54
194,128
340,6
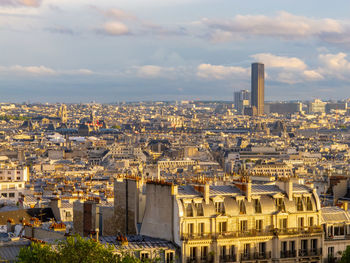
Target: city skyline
133,51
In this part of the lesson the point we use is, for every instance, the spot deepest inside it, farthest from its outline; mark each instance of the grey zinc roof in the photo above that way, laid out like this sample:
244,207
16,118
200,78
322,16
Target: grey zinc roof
138,243
299,188
224,190
186,190
10,250
265,189
334,214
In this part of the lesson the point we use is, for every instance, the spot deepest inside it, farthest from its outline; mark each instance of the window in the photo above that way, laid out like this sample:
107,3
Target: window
299,204
246,249
18,172
338,230
9,178
204,253
284,246
189,211
232,251
12,195
330,251
308,204
219,207
242,207
222,227
304,244
18,178
222,251
283,223
193,253
144,255
201,228
311,221
169,257
190,228
199,209
259,225
280,204
313,245
262,248
301,222
244,225
257,206
68,214
4,194
292,246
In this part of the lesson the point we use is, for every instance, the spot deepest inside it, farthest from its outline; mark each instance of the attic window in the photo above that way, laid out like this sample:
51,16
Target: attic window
242,209
280,204
219,207
189,210
199,209
299,204
257,206
308,204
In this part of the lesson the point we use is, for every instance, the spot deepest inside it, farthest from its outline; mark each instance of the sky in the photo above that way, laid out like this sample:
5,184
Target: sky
141,50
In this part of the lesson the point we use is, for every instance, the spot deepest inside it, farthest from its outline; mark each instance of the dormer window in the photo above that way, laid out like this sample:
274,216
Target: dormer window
257,206
199,209
219,207
309,204
189,210
280,204
242,207
299,204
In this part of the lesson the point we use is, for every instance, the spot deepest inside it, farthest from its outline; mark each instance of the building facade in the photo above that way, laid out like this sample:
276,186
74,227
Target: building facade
258,87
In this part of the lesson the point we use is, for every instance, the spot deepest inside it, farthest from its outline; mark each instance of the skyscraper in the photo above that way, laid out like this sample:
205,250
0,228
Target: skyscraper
258,87
242,100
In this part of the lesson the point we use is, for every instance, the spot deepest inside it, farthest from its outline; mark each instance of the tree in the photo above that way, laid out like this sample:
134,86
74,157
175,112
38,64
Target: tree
74,249
37,252
345,255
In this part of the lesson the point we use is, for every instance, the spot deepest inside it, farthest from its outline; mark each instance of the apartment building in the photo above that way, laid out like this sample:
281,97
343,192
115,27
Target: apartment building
12,183
237,222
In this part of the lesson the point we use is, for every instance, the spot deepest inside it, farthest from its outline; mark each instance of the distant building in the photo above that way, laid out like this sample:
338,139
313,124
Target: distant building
12,183
242,100
335,106
317,106
283,107
258,87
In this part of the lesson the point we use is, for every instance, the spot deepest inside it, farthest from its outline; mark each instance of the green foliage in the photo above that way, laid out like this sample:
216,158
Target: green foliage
14,117
37,252
345,255
74,249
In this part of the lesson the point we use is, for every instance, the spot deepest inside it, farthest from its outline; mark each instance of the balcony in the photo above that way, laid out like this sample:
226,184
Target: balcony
203,259
228,258
288,254
310,253
198,236
298,230
256,256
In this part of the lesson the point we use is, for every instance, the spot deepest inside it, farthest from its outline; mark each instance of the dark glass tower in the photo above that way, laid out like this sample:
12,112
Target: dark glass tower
258,86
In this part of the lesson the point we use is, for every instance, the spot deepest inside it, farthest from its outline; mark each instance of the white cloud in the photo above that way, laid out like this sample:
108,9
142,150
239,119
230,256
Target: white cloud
273,61
152,71
209,71
25,3
283,25
42,71
36,70
119,14
116,28
335,65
